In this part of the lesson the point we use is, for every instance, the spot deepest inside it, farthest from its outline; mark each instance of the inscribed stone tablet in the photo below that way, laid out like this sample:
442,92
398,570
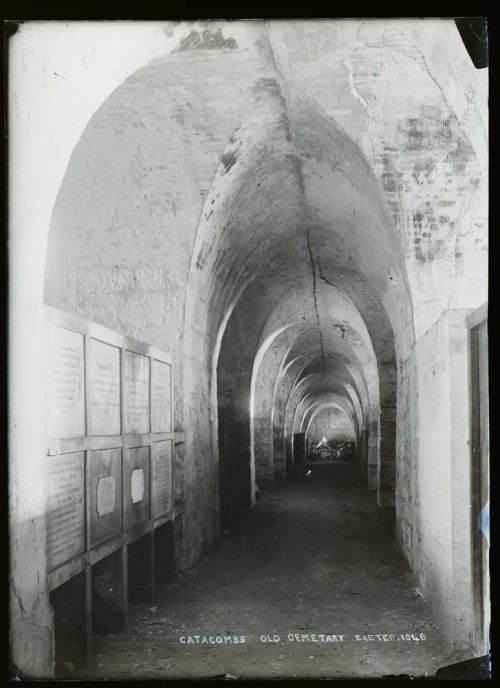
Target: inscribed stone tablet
162,478
66,405
137,485
136,392
104,469
161,420
106,495
104,388
65,508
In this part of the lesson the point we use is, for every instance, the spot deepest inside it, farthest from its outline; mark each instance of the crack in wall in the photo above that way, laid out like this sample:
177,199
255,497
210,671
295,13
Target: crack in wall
297,165
348,66
325,279
313,267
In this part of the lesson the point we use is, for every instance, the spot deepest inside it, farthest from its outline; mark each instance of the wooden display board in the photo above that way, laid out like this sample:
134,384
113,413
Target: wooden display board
66,402
161,382
136,379
104,388
66,508
109,458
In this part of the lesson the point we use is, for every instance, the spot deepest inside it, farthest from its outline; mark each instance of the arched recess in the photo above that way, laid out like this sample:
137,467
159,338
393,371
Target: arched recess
291,391
296,305
267,369
347,431
338,360
312,400
329,399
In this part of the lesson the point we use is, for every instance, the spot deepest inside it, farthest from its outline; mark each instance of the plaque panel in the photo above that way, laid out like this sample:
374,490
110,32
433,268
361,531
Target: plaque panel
137,463
161,407
65,508
162,478
66,403
136,392
104,388
105,494
137,485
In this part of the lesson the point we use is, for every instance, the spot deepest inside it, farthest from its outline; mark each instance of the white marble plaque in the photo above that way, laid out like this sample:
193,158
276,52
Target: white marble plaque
66,403
161,409
104,388
137,485
65,508
136,392
162,478
106,495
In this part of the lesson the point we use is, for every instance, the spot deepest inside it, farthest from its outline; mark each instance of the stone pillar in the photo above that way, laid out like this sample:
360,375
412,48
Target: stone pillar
279,452
245,471
263,444
386,475
362,454
299,449
373,455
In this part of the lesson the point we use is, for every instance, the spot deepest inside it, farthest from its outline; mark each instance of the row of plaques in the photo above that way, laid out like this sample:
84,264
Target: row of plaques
147,493
146,398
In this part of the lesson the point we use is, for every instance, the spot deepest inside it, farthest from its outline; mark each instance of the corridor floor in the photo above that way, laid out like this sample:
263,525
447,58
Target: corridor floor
315,561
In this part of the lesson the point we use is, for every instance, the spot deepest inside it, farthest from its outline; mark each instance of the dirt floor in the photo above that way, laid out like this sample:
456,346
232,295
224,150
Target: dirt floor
311,579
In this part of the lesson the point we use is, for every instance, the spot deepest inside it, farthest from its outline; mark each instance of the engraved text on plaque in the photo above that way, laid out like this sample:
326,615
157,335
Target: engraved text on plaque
65,508
160,397
162,477
66,384
136,381
104,388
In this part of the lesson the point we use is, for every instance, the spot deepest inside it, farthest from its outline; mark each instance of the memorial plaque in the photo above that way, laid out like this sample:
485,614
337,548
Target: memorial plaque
104,469
106,495
136,392
162,478
104,388
137,485
161,409
66,403
65,508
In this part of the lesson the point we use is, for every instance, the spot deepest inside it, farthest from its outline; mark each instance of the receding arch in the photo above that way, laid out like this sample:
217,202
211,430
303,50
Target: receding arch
324,407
